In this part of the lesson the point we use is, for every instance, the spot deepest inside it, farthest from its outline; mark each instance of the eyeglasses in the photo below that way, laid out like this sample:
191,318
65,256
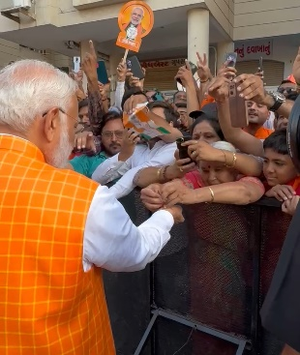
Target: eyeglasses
64,112
110,134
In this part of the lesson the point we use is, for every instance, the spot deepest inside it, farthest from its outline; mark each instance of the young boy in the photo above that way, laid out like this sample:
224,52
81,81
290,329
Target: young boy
281,175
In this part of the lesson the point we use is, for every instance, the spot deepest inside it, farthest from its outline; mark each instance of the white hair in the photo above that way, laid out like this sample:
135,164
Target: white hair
224,146
28,89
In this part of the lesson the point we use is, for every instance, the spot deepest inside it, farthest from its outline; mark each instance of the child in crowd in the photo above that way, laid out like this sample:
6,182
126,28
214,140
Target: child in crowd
282,180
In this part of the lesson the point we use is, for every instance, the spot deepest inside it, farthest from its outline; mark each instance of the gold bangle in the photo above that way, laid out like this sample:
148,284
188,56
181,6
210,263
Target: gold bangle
225,160
212,194
163,172
159,174
233,159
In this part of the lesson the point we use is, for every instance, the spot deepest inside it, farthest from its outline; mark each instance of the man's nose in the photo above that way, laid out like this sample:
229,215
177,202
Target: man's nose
113,136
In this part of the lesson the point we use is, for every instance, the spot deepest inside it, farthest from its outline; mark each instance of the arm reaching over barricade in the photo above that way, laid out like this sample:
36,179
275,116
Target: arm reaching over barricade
215,181
198,151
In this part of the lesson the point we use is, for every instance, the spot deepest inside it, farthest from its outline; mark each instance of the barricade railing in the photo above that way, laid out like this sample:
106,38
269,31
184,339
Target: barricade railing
202,295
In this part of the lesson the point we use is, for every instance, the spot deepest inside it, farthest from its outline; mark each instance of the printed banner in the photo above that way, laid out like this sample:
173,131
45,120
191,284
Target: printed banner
254,49
140,121
135,21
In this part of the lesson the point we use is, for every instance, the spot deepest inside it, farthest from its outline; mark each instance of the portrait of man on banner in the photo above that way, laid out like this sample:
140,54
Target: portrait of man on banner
135,21
134,28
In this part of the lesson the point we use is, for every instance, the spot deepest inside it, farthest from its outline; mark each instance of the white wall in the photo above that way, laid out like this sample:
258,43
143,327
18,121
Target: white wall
10,51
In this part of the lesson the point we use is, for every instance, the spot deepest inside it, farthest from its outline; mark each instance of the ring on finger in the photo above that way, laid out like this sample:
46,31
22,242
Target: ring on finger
193,152
181,170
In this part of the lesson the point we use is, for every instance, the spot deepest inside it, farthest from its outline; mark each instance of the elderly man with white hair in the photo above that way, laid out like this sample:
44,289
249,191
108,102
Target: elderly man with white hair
56,226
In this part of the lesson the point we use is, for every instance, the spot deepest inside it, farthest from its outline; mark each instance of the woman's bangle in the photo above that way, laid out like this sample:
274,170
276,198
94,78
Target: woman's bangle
225,160
234,158
163,172
212,194
159,174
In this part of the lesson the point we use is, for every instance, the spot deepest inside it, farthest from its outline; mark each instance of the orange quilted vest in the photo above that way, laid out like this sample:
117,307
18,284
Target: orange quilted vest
48,305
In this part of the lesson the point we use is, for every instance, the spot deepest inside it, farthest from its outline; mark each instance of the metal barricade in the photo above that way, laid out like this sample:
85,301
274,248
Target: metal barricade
202,295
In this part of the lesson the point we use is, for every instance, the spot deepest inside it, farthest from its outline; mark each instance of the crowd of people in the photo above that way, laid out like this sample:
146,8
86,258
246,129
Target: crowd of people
67,157
254,157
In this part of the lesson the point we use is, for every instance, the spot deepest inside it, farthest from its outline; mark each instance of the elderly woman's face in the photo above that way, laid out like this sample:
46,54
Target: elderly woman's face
216,173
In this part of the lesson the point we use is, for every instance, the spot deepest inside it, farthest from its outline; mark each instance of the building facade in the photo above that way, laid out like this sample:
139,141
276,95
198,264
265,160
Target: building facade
57,30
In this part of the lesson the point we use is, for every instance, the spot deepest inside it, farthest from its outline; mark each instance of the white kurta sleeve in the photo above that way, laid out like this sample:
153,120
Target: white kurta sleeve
110,170
120,89
126,184
113,242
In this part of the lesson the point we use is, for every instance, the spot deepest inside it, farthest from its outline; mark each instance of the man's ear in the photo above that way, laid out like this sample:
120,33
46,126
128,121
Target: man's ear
51,124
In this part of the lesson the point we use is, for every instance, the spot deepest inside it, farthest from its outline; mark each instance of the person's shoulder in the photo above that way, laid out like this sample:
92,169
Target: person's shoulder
72,178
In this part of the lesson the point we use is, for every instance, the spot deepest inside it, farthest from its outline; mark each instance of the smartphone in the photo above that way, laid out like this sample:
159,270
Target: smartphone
157,97
260,64
238,107
76,64
183,150
193,70
230,59
102,73
135,67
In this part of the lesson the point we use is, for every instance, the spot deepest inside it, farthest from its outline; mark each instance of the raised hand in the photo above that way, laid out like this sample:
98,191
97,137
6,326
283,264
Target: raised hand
89,63
203,71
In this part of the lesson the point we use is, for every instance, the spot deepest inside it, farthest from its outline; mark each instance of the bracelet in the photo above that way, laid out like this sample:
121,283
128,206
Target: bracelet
159,173
212,194
163,172
234,158
225,160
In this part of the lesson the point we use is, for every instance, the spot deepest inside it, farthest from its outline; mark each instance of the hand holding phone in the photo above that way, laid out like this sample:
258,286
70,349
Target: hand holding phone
134,66
238,107
260,69
76,64
189,66
183,150
231,59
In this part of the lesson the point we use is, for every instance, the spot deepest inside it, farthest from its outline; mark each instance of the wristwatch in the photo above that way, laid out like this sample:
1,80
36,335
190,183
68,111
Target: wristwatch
279,100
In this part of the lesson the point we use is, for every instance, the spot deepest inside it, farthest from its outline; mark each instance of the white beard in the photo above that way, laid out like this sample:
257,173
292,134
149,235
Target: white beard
60,156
